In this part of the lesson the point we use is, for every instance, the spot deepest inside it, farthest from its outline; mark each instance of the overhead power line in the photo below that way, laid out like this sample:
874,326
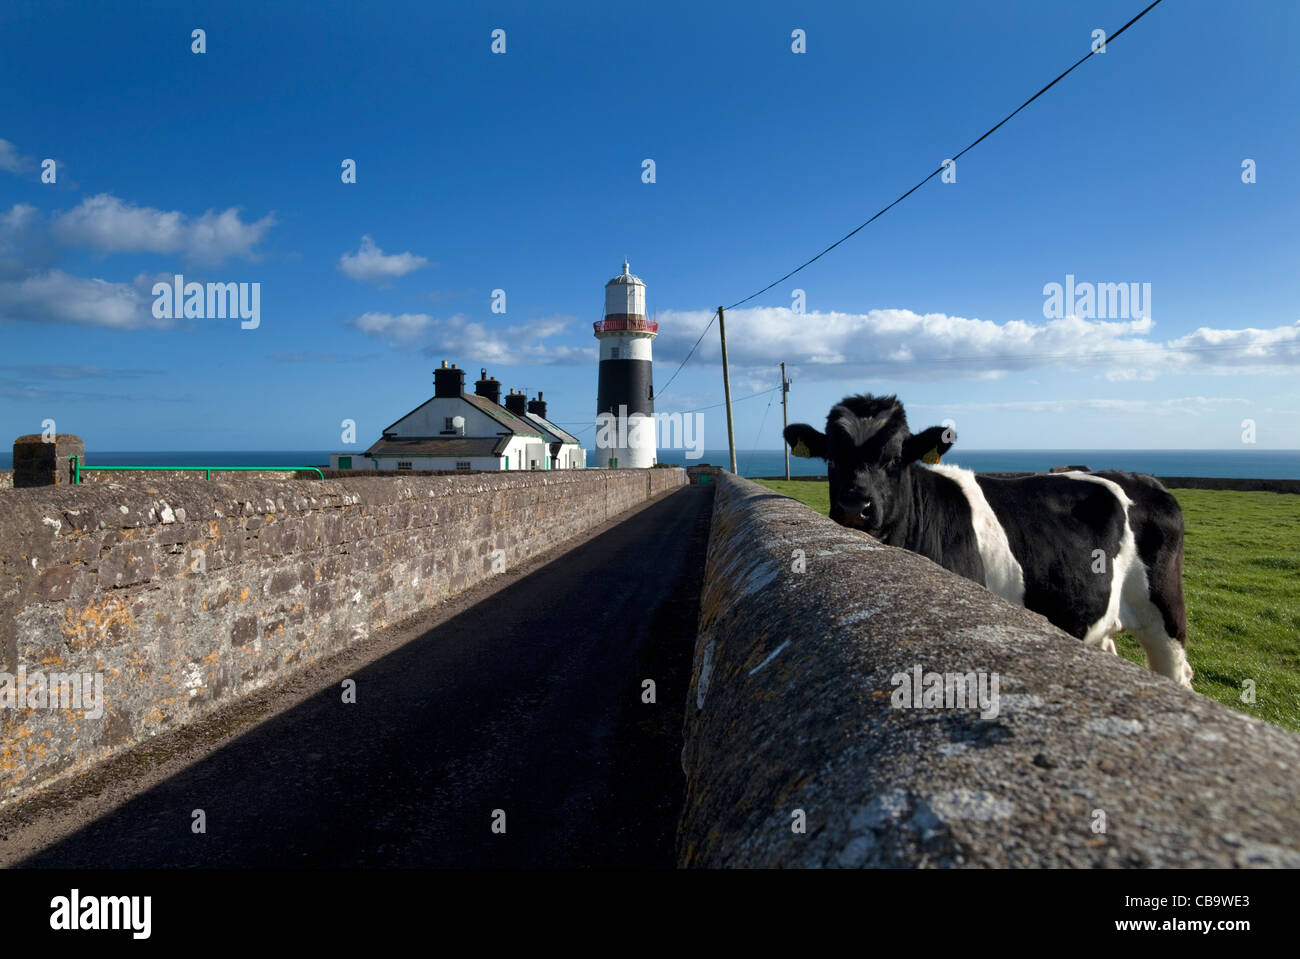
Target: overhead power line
707,327
762,422
699,409
970,146
938,170
734,401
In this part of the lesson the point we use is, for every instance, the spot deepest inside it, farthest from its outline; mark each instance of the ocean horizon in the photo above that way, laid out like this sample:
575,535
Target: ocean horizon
1234,463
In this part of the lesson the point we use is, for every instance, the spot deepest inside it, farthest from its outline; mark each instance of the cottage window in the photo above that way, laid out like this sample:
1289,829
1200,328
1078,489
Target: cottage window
462,464
403,464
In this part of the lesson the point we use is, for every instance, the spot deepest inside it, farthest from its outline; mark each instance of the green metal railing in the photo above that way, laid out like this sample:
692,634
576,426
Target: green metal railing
78,469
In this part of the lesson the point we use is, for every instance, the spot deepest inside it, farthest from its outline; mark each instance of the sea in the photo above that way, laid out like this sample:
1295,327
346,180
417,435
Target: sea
1236,463
1243,463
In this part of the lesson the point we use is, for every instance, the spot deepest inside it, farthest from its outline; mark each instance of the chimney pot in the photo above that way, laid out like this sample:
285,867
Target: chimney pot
489,389
448,381
516,404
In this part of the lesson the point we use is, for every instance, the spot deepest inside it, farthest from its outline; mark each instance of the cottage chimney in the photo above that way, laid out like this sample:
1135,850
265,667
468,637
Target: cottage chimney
538,405
517,403
488,388
448,381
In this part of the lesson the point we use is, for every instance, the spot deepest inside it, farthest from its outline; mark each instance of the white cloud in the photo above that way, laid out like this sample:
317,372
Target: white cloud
400,328
11,161
371,264
1237,350
512,346
21,218
900,344
110,225
24,247
478,343
57,297
1173,406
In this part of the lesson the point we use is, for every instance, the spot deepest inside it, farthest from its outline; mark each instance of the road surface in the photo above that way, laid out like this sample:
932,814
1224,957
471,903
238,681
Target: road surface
528,701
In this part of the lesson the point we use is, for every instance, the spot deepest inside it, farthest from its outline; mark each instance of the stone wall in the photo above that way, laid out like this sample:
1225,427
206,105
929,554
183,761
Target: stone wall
1231,483
42,459
183,594
1086,761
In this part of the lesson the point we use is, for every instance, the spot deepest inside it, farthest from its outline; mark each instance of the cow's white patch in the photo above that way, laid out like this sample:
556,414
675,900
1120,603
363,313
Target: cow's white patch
1124,565
1130,606
1003,573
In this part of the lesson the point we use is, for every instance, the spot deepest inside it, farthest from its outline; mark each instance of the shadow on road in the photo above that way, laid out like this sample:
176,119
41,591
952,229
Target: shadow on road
529,702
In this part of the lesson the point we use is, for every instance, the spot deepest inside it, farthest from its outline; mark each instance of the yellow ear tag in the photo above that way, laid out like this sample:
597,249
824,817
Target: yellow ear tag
801,449
931,457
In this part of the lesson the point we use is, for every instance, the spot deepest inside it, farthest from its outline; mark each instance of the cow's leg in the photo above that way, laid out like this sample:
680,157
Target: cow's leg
1159,621
1100,634
1153,606
1104,643
1166,655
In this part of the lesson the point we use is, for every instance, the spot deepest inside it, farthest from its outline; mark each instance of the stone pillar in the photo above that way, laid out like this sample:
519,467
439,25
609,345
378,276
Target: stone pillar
38,462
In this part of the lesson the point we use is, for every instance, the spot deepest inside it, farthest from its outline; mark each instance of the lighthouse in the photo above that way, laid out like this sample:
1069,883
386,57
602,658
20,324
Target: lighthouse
625,405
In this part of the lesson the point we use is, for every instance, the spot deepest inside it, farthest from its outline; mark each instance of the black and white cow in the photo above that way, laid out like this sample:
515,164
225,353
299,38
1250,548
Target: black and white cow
1031,539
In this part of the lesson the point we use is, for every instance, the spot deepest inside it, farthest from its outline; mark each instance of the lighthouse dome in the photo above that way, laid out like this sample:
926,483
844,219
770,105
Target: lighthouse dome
625,278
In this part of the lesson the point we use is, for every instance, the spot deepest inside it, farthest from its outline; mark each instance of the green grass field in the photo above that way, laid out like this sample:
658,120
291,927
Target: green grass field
1242,556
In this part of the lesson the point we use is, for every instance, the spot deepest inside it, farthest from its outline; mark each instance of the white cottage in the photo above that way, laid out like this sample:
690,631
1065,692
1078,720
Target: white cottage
455,430
563,450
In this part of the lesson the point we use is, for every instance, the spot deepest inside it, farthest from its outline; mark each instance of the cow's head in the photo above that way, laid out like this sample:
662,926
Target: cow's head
867,446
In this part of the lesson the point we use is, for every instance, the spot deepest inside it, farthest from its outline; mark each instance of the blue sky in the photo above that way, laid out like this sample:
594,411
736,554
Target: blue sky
522,171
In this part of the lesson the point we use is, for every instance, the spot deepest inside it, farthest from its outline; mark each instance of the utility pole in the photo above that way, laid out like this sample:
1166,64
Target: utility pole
785,419
726,389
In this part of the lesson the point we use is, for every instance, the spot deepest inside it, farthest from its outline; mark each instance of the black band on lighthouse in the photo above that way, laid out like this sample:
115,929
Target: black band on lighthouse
625,383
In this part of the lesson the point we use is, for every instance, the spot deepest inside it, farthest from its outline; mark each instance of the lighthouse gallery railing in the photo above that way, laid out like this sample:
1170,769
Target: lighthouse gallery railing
625,324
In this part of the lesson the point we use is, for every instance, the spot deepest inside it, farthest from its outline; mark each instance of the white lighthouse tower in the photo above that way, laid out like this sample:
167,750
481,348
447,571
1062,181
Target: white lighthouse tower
625,405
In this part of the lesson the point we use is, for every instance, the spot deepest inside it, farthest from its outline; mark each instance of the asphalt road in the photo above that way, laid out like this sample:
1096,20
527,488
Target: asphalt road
529,702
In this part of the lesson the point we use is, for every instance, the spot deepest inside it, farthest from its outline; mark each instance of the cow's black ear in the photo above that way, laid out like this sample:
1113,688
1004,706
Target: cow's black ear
805,441
929,445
